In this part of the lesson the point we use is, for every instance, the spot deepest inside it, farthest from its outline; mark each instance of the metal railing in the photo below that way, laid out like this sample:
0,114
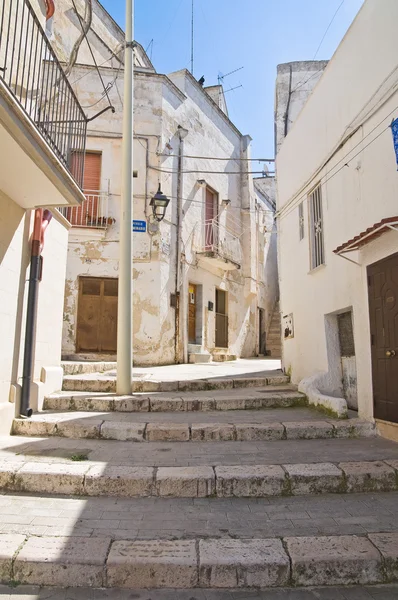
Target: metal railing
32,73
219,240
92,213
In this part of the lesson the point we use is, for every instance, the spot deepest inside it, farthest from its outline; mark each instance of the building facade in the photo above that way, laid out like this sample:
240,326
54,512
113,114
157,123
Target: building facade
35,177
199,275
337,215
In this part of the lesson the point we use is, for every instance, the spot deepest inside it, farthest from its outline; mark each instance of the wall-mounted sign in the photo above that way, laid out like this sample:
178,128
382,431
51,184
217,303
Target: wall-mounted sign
139,226
288,327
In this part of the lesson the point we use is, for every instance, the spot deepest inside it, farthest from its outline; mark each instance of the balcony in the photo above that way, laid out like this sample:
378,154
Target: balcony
219,247
39,114
93,213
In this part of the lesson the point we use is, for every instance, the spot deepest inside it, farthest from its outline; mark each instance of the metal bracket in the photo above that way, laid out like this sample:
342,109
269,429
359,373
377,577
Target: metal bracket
131,45
112,108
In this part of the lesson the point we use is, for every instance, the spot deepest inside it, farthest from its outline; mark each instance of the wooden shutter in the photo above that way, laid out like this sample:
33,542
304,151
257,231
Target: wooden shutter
92,171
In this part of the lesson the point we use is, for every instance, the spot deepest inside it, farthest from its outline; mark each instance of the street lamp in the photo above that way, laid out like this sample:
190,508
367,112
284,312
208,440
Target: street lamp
159,204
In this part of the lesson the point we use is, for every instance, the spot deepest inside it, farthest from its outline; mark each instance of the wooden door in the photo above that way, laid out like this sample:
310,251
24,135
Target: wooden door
210,219
192,305
97,315
383,310
87,213
221,319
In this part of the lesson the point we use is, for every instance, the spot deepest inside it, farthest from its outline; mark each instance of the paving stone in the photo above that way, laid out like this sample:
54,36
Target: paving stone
317,478
176,404
62,561
9,545
131,404
51,478
212,432
185,482
353,428
392,463
344,560
167,432
242,563
250,481
278,380
109,480
194,385
122,431
152,564
34,428
230,403
79,428
259,433
369,476
249,382
387,544
8,470
308,430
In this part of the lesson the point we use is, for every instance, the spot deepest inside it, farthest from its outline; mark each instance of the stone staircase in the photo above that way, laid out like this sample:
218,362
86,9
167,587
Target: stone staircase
218,484
274,335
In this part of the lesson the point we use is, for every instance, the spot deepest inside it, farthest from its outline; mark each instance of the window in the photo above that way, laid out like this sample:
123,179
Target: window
316,228
301,221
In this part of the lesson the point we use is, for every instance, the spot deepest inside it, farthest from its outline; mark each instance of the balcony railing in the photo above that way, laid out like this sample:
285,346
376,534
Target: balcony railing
219,242
32,73
92,213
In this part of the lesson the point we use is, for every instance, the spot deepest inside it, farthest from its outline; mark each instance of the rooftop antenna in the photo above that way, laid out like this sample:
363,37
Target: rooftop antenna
233,88
222,77
192,34
150,46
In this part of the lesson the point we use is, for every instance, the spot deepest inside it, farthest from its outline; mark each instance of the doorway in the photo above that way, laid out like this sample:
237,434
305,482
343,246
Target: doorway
261,332
221,319
383,312
192,307
97,315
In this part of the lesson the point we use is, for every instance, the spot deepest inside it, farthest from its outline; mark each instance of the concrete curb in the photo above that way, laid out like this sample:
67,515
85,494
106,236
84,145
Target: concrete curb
73,383
98,428
111,403
248,481
190,564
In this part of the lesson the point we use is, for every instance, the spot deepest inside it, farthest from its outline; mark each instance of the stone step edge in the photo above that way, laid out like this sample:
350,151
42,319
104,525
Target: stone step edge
180,404
199,563
195,432
72,382
243,481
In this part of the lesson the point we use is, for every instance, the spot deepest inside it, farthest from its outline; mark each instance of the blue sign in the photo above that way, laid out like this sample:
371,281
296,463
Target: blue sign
139,226
394,129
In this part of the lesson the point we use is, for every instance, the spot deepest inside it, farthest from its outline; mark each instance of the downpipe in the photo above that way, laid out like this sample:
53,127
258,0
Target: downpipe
42,220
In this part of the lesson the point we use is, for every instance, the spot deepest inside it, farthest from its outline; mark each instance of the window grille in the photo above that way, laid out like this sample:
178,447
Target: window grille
301,220
316,220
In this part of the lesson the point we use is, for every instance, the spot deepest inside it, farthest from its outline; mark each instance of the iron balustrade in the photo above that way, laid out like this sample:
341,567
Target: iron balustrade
32,73
219,240
92,213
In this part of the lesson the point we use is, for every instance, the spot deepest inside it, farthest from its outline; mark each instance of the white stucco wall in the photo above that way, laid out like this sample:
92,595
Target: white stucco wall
355,94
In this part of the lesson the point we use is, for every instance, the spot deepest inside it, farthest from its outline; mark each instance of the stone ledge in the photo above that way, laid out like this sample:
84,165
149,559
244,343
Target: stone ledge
199,563
92,479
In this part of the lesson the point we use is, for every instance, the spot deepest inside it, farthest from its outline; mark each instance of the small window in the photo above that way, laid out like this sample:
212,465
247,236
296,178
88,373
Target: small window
301,221
316,224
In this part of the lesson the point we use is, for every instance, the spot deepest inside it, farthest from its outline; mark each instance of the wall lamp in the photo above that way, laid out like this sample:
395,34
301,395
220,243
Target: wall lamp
226,202
182,132
159,204
201,182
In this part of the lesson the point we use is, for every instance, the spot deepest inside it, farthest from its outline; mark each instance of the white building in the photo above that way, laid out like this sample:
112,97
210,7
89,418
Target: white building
199,275
36,146
337,219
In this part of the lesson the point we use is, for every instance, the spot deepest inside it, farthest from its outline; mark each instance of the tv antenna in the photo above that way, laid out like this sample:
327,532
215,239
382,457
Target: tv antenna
222,77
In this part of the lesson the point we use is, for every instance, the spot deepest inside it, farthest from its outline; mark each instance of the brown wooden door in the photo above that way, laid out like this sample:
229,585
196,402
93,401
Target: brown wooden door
85,214
97,315
383,309
192,304
221,319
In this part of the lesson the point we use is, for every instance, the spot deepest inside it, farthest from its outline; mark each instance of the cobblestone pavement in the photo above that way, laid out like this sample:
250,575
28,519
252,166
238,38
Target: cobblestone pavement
388,592
198,453
158,518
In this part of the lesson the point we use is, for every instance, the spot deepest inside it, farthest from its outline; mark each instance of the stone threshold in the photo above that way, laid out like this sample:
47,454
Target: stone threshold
87,427
255,400
199,563
96,382
258,481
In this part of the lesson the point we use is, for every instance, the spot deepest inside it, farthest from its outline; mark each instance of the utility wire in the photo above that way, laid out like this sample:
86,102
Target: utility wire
292,206
220,158
212,172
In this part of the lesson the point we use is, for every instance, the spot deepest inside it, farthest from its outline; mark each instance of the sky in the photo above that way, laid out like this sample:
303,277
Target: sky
229,34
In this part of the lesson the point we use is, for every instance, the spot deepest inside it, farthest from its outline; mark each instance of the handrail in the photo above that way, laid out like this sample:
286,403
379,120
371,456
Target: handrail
219,240
33,74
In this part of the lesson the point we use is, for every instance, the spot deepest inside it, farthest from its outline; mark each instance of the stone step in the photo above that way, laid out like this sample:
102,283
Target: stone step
198,358
82,425
97,382
79,368
199,563
236,399
199,481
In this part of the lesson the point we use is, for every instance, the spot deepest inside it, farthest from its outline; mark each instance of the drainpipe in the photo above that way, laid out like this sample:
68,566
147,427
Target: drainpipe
42,220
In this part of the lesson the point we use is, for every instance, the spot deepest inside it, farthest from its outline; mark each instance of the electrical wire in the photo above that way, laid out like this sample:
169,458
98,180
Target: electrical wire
114,55
268,160
282,214
212,172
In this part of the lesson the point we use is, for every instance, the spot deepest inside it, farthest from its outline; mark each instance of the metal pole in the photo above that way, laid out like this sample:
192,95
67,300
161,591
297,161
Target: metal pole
124,324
